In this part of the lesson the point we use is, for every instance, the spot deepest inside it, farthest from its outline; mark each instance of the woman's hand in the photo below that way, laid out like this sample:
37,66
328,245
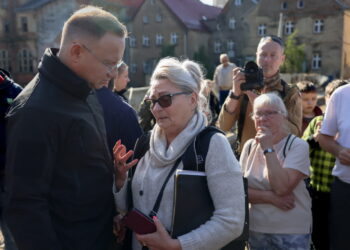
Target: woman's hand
118,230
159,240
285,202
264,137
120,165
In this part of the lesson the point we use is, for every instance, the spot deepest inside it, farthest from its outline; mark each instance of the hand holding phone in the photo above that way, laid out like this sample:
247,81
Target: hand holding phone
139,222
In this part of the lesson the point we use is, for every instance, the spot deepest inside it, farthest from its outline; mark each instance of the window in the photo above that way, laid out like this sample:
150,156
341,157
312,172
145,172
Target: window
284,5
159,39
232,23
238,2
25,61
262,29
24,24
159,18
145,41
300,4
316,61
4,3
217,47
318,26
230,45
145,19
147,67
132,42
6,27
173,38
4,59
133,68
289,28
231,53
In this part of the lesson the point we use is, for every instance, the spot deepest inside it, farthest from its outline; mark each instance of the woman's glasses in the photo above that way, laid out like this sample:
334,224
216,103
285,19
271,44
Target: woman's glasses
165,100
266,114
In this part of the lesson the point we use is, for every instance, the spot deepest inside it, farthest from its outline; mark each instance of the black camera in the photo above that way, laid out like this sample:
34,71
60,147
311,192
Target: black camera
254,77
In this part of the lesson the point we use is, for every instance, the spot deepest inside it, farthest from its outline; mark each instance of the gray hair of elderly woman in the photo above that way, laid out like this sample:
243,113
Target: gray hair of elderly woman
187,75
274,100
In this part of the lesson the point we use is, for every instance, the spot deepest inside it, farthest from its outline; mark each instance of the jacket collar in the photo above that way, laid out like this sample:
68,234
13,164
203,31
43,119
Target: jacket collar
63,77
273,83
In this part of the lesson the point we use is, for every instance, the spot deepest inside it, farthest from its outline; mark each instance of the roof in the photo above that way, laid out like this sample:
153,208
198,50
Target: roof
192,13
33,4
131,6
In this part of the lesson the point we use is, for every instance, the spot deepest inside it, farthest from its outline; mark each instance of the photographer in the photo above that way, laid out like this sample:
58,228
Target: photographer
238,105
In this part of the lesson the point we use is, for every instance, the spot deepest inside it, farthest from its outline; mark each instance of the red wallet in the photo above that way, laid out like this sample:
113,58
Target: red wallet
139,222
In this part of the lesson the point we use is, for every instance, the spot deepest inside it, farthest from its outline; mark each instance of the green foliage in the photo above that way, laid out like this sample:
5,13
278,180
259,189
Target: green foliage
167,50
295,55
201,57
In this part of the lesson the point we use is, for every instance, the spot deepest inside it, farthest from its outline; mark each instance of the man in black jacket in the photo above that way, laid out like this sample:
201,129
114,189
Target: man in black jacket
59,173
8,92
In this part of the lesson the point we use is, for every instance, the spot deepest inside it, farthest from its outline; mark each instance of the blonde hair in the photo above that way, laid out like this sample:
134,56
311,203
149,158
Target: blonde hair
92,22
187,75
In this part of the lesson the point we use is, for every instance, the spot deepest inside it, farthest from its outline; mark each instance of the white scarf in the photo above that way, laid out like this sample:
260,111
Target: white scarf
163,155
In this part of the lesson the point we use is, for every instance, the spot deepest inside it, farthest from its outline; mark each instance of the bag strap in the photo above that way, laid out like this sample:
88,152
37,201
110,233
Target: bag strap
161,191
194,156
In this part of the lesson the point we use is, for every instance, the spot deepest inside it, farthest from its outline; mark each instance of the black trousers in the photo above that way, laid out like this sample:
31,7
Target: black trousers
320,219
340,216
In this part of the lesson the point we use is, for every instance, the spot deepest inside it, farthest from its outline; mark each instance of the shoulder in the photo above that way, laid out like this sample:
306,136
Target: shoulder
297,143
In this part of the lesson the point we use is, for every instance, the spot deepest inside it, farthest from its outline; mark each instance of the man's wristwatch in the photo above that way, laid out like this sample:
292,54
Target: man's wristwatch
233,96
268,150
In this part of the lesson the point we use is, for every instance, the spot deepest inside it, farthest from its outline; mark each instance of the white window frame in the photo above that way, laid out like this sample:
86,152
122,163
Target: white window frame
133,68
159,39
300,4
230,45
24,24
289,27
316,61
159,18
262,29
284,5
318,26
174,38
238,2
4,59
145,19
217,47
132,41
25,61
232,23
145,41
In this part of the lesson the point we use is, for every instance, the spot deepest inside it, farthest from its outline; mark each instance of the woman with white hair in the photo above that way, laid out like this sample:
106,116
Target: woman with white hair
176,105
276,163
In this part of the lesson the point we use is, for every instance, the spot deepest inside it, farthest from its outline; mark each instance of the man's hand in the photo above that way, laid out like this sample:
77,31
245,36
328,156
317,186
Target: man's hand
344,156
237,79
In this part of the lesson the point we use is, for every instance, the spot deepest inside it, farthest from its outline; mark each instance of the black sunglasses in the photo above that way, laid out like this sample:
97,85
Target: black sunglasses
274,38
165,100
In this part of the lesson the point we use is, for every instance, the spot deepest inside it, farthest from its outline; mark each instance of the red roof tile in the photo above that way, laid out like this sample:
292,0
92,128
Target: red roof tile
192,12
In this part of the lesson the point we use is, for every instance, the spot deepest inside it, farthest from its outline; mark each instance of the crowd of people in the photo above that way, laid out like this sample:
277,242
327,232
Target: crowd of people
77,161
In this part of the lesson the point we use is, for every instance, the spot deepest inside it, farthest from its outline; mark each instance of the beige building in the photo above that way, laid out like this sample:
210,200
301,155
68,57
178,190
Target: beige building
28,28
321,25
163,25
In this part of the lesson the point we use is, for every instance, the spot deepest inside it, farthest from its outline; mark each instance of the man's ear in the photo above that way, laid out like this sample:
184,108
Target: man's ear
75,52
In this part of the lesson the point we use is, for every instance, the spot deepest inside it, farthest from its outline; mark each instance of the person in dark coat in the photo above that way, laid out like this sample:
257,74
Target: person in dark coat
120,119
59,173
8,92
121,81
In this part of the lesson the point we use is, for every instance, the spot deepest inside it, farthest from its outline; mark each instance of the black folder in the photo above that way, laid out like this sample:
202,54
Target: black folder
193,206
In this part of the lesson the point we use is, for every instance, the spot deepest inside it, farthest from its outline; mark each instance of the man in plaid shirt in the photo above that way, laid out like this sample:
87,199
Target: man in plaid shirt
321,177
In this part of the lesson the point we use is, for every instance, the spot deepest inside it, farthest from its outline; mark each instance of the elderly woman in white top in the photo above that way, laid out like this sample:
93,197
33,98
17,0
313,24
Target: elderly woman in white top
276,164
175,88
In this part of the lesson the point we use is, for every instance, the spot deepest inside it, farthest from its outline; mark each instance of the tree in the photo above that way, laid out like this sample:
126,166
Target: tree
167,50
201,57
295,55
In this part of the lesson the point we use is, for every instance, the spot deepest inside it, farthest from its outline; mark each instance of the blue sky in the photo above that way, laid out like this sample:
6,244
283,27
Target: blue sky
207,1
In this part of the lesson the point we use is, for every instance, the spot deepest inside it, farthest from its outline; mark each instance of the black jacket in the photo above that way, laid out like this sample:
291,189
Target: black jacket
8,92
59,173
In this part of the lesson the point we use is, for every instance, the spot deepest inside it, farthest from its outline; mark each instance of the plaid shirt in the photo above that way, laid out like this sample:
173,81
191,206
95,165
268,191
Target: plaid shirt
322,162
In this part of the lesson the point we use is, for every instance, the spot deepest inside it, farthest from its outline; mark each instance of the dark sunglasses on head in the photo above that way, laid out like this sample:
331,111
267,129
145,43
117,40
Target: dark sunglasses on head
165,100
274,38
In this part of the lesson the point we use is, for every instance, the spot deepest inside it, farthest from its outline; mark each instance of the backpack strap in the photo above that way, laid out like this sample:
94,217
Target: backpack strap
194,156
290,140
